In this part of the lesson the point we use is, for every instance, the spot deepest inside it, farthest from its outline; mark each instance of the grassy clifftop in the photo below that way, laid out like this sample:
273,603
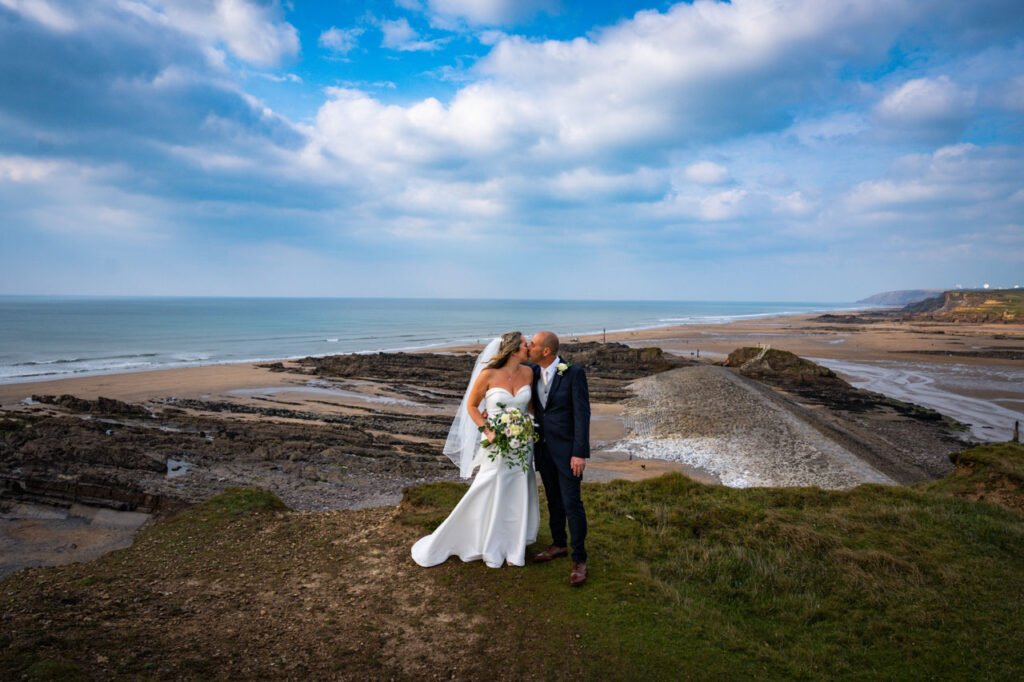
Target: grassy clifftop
996,305
688,581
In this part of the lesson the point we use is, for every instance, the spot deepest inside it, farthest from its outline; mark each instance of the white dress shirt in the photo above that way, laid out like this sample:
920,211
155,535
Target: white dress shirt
549,371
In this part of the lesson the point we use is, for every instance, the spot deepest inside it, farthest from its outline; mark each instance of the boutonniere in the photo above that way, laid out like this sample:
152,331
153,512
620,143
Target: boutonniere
562,366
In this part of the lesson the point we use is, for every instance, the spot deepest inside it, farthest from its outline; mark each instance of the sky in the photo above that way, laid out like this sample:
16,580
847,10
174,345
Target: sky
778,150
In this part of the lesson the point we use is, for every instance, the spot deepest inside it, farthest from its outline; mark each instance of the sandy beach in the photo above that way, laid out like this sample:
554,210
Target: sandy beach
947,367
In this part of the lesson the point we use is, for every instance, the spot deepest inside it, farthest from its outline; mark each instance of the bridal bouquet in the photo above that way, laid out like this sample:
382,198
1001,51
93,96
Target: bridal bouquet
514,432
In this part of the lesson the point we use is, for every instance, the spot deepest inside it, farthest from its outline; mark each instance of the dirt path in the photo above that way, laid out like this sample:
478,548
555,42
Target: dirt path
286,595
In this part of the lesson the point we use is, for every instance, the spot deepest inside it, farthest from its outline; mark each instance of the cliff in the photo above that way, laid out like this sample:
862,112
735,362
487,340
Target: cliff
688,582
900,298
998,305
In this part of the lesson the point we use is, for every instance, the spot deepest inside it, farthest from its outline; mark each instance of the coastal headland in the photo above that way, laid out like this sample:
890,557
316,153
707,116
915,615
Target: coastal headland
353,431
339,440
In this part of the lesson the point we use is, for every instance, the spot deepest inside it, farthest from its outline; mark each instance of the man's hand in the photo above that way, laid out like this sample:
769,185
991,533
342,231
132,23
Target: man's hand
577,464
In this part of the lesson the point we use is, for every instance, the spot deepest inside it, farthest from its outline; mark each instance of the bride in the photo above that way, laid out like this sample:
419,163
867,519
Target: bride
498,516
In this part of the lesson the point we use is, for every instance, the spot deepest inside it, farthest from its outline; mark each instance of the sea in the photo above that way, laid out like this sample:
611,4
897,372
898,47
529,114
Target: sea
46,337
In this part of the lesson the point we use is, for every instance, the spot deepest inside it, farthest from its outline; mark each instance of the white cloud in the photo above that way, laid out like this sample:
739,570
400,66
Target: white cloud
955,182
78,201
927,106
706,173
283,78
340,40
695,73
254,35
795,204
830,128
25,169
42,12
603,116
1013,99
723,205
590,184
399,35
254,32
584,141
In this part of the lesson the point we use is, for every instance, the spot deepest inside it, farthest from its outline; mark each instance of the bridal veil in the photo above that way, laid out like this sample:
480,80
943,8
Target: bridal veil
464,436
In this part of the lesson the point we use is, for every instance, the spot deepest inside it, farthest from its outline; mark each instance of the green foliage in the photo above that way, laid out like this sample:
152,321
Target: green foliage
207,529
426,506
47,670
229,505
234,502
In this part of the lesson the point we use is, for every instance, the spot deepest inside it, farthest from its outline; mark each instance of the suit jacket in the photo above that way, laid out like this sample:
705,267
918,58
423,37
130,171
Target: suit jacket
565,420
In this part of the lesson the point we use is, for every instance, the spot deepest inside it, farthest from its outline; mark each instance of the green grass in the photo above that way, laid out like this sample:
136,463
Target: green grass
985,463
703,582
993,472
47,669
687,582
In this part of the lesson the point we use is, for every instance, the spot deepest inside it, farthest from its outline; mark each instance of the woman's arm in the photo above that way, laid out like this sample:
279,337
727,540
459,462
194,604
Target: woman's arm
475,396
529,377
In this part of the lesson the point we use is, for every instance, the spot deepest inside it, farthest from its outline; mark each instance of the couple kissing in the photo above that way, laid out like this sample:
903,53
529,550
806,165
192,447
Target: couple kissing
525,410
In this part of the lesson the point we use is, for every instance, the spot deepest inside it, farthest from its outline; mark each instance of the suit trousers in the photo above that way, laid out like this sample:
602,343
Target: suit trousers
564,504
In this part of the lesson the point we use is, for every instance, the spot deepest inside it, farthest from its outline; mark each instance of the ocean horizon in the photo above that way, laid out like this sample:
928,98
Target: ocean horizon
52,337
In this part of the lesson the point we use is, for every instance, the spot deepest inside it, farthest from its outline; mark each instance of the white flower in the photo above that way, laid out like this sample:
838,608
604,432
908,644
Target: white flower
562,366
505,418
514,444
515,430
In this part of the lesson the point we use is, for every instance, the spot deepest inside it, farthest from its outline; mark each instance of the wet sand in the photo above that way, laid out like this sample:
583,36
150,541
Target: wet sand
43,535
185,382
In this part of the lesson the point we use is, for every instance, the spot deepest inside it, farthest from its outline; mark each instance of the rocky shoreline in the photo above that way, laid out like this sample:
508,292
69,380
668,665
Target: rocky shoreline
374,426
354,431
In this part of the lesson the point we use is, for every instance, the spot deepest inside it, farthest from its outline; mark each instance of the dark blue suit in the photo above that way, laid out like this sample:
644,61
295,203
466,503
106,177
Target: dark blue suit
564,433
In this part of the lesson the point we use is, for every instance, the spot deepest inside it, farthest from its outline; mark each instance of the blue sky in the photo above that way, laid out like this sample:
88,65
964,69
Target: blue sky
759,149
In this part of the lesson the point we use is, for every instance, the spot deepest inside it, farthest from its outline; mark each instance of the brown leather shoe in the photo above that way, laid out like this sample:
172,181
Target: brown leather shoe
578,576
552,552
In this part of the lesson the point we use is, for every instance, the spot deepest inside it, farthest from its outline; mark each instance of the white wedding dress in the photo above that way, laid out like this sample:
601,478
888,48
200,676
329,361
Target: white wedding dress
498,516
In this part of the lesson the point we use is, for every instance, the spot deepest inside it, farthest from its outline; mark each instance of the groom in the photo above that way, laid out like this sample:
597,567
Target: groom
561,403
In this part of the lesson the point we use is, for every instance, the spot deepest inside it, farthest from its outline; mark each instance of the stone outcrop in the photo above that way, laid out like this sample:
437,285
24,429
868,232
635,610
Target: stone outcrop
820,385
609,366
101,406
782,368
908,442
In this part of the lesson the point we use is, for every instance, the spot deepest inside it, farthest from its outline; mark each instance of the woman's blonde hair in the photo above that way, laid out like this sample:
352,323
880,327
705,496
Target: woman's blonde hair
510,342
